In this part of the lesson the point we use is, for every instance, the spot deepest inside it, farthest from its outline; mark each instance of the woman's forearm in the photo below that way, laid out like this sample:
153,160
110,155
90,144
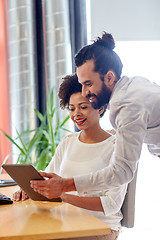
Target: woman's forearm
89,203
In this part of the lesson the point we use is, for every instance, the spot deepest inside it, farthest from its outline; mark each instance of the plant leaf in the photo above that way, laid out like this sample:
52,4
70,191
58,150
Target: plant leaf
34,141
39,115
21,149
67,130
25,150
46,135
43,159
64,121
5,161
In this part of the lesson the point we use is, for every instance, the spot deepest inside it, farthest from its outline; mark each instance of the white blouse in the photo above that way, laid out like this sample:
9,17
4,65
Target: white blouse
74,158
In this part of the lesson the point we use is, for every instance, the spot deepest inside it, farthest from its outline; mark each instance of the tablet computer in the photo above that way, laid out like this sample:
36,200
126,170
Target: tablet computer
22,175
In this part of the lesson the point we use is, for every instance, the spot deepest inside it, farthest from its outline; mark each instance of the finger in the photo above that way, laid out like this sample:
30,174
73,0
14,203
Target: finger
44,174
34,183
44,193
39,189
13,196
24,196
17,195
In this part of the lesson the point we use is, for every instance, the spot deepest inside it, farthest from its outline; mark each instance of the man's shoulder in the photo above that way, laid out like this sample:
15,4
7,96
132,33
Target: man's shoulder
128,90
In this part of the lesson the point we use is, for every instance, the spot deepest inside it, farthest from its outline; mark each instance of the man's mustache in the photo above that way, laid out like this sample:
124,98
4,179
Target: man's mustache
91,95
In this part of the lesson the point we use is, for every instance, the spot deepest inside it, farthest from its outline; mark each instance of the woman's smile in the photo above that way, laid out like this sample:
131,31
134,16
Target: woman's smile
80,121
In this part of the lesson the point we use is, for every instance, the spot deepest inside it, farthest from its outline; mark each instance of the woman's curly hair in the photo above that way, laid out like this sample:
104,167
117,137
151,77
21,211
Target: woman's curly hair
69,86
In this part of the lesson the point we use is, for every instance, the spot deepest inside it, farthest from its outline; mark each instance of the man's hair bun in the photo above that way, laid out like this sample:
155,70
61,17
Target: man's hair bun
106,41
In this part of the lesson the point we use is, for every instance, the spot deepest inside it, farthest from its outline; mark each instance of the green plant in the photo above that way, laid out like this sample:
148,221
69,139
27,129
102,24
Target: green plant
37,146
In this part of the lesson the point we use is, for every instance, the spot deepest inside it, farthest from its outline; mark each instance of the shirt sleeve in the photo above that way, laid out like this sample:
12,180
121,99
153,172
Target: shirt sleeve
112,200
131,124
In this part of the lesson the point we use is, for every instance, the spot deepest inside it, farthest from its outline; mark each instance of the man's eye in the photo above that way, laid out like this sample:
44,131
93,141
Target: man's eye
83,107
71,109
88,84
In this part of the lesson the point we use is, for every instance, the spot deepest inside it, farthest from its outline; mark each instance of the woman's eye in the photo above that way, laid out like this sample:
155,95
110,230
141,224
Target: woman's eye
84,107
71,109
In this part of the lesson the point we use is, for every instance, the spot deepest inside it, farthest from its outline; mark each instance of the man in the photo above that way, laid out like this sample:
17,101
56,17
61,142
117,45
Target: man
134,105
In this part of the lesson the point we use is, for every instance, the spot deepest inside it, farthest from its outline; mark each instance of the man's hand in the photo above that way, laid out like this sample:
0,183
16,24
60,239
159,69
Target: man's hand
54,186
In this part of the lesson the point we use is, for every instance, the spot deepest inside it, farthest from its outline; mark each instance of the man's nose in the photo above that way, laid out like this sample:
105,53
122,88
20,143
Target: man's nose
85,91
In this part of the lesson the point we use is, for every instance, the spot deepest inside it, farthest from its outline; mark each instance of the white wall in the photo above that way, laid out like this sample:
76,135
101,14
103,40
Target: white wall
126,19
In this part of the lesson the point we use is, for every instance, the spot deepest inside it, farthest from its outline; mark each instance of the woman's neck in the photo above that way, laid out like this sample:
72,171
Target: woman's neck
93,135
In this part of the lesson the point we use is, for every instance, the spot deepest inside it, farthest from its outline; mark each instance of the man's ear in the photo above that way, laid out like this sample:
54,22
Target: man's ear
101,110
110,79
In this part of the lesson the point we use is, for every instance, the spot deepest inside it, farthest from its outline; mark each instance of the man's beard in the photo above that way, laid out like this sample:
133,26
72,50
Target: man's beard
102,97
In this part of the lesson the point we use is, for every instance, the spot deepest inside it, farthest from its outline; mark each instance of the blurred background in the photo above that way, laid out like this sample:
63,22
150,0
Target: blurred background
38,41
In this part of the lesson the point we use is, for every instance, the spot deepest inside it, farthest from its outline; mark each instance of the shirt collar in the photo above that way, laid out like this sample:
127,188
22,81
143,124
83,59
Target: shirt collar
117,86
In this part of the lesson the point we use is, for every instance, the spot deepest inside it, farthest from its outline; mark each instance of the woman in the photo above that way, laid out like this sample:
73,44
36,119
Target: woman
83,152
